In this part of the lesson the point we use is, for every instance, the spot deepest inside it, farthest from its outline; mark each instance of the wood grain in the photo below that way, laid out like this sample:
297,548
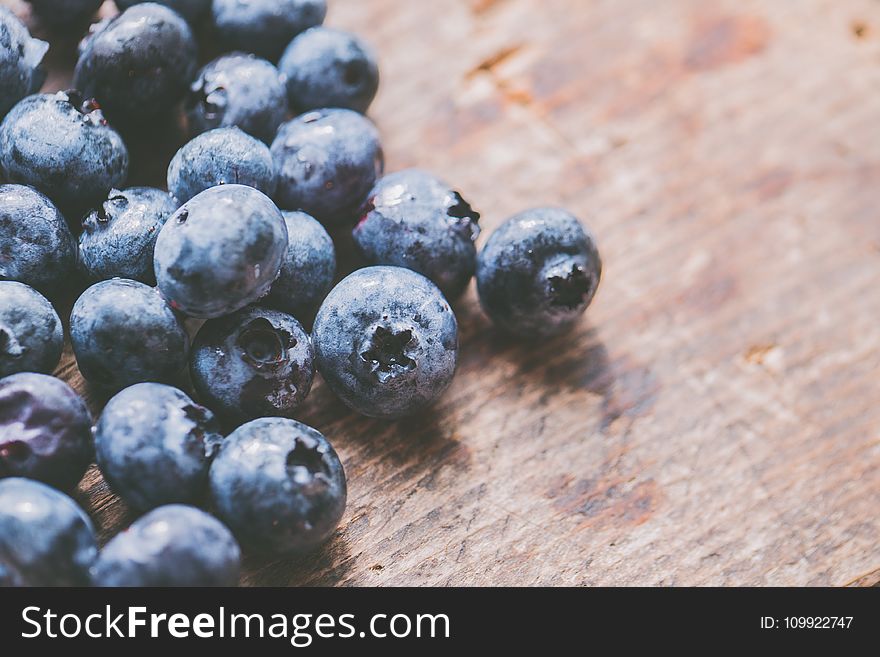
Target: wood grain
715,418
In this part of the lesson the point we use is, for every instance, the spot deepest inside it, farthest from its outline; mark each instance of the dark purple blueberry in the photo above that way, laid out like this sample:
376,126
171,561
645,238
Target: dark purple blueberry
31,337
62,15
45,430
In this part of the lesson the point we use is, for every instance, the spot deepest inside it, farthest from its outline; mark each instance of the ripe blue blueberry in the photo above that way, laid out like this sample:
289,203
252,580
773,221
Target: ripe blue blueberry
221,251
31,337
154,446
36,246
138,65
220,157
173,545
264,27
386,341
238,90
538,273
45,430
308,270
412,219
191,10
61,144
329,68
123,333
279,486
119,235
253,363
61,14
20,59
45,538
327,161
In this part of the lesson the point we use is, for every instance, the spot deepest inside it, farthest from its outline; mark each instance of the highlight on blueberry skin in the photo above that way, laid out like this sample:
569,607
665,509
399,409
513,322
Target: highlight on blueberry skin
253,363
308,269
45,430
46,539
21,57
174,545
31,336
538,273
119,235
139,65
154,446
415,220
237,90
386,342
279,486
191,10
327,161
220,157
220,251
61,145
36,246
123,332
264,27
61,14
325,67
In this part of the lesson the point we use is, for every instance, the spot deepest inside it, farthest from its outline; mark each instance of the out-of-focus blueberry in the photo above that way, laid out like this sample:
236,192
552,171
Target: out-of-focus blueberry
64,14
45,538
139,65
538,273
123,333
31,337
279,486
220,157
173,545
308,270
254,363
36,247
327,161
415,220
20,59
264,27
386,341
221,251
61,144
237,90
154,446
45,430
329,68
119,235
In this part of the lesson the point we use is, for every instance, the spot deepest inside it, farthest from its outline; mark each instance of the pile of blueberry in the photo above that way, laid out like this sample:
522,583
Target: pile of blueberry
239,240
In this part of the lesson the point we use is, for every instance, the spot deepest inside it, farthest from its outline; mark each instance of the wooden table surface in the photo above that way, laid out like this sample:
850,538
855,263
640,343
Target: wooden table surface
715,418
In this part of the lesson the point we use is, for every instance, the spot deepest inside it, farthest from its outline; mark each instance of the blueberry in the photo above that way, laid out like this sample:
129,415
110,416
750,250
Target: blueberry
173,545
327,161
36,246
538,273
221,251
118,236
308,270
238,90
123,332
412,219
45,538
31,337
220,157
386,341
279,486
61,144
264,27
138,65
20,59
64,14
45,430
329,68
253,363
191,10
154,445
